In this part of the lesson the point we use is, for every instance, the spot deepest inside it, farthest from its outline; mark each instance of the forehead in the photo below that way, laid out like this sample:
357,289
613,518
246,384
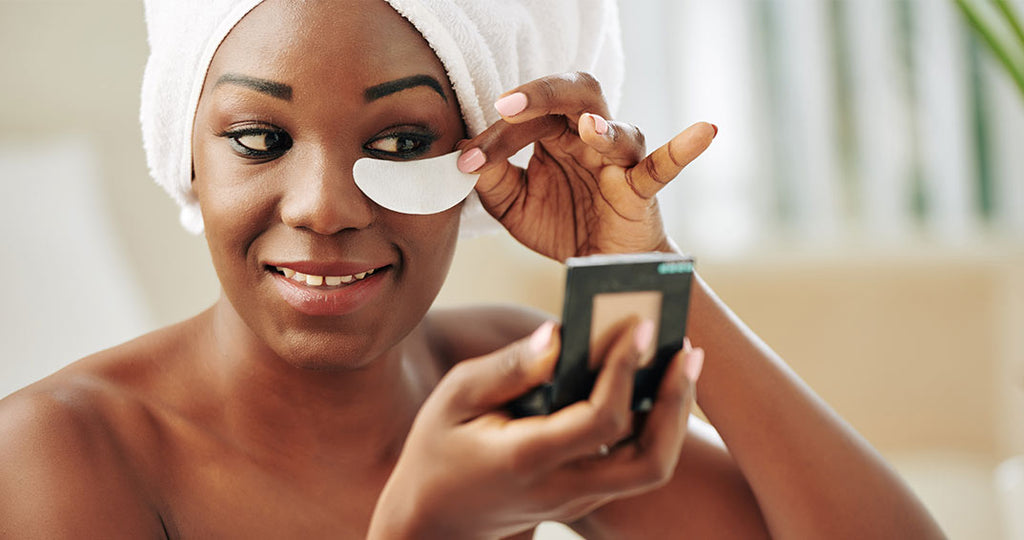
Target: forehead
351,43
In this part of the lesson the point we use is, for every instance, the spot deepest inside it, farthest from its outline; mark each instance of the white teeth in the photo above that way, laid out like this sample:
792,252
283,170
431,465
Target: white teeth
317,281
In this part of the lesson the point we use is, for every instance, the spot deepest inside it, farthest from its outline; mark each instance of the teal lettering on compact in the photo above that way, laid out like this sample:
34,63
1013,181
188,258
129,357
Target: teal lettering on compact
675,268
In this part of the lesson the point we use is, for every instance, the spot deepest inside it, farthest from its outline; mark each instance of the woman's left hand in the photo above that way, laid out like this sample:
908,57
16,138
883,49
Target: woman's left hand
588,187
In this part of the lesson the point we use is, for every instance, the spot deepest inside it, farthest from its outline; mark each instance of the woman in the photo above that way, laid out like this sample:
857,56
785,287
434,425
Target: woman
307,410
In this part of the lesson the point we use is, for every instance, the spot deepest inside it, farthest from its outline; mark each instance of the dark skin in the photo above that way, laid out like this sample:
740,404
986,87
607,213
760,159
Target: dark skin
256,419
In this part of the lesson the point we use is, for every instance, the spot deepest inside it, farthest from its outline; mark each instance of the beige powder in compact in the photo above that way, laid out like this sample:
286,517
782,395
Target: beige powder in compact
611,310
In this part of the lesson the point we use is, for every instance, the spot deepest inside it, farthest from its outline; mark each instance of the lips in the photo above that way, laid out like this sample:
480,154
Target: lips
326,290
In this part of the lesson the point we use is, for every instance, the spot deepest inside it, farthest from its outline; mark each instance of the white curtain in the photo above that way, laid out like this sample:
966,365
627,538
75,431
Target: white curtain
67,290
883,121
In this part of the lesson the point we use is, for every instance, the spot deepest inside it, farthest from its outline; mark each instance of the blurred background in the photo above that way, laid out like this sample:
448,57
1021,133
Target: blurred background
862,208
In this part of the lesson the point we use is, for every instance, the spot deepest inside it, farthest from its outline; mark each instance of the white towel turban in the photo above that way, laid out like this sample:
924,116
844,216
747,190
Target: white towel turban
487,47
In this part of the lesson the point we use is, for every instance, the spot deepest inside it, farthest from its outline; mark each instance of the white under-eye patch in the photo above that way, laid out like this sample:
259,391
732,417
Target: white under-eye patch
424,186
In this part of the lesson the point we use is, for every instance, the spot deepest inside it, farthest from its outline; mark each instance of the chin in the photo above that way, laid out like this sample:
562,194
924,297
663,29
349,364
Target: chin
332,353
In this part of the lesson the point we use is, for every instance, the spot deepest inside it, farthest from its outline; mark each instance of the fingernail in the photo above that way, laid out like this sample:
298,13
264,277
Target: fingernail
694,364
643,334
714,127
511,104
541,337
687,346
471,160
600,124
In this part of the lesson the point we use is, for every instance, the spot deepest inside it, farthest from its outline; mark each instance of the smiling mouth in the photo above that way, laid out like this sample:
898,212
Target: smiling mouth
324,281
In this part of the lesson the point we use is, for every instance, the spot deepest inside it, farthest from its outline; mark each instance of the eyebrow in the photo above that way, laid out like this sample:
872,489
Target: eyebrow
386,89
271,88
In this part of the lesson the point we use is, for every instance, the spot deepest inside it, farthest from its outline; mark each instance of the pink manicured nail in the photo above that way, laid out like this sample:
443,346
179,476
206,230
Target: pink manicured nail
541,337
471,160
600,124
687,346
511,104
694,363
643,334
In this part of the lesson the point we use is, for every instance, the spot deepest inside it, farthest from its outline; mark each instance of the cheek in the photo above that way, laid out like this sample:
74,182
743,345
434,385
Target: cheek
431,240
235,208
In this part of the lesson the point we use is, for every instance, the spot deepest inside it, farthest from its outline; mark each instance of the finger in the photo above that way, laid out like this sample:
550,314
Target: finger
502,140
481,384
665,163
502,184
567,94
665,428
618,143
613,389
605,418
651,460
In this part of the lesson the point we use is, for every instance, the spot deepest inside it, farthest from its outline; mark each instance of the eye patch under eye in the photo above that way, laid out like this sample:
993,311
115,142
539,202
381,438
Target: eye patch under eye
423,186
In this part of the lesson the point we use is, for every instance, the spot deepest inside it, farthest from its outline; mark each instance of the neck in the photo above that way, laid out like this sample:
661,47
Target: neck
361,414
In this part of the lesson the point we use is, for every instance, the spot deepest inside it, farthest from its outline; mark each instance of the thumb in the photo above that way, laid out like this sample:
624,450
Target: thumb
479,385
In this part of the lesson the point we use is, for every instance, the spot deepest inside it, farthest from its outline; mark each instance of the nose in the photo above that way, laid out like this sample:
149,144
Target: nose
322,196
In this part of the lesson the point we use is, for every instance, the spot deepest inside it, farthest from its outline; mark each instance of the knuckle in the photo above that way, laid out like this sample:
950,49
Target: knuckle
638,136
459,376
519,462
575,510
610,425
588,82
510,364
621,365
547,90
655,473
672,397
651,170
457,383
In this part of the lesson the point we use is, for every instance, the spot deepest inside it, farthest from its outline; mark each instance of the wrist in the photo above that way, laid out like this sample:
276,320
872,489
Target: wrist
395,519
404,518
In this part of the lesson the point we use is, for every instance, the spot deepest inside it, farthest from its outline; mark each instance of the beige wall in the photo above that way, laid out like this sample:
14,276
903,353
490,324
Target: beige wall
73,68
918,349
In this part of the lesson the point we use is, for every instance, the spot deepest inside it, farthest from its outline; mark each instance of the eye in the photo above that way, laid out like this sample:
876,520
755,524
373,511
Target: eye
259,142
401,145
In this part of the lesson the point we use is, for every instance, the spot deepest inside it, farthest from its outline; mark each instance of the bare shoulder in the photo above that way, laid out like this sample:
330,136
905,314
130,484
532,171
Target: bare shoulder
62,475
467,332
70,445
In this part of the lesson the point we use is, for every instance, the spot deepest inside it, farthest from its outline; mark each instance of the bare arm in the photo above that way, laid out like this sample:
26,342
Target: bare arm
812,476
591,188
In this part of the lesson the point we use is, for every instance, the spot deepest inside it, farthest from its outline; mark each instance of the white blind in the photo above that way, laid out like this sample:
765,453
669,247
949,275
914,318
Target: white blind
884,119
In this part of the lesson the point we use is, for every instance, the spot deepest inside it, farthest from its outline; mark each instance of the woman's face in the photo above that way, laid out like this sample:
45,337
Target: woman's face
296,93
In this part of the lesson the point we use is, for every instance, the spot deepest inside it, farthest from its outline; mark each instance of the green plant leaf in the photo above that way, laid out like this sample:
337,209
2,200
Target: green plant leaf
1001,30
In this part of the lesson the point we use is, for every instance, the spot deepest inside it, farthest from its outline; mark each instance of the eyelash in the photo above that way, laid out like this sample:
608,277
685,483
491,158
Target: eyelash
423,142
284,144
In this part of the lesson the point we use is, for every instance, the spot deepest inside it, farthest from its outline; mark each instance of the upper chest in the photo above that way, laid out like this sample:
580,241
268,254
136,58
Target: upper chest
231,496
211,490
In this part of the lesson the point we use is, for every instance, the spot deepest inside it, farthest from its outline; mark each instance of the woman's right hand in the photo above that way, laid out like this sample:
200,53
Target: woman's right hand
469,470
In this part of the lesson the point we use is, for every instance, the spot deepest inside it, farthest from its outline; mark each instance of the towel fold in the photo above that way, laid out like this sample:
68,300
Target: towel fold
486,46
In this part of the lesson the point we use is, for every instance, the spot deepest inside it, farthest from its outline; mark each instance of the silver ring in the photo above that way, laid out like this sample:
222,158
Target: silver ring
603,450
